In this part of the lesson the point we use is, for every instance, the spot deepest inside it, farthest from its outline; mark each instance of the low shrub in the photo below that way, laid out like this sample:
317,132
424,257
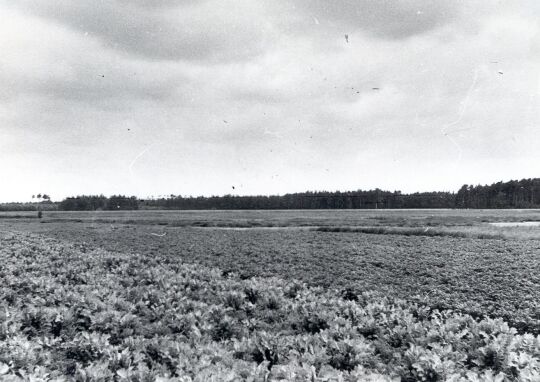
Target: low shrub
144,318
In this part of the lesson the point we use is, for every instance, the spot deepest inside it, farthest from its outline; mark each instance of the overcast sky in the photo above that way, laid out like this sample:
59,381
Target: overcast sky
195,97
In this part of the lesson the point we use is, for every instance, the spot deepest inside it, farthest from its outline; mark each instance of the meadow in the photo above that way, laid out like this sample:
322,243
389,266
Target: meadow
396,217
376,295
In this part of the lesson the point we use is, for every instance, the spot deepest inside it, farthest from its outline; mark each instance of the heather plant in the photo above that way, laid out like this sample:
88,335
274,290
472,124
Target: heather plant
70,313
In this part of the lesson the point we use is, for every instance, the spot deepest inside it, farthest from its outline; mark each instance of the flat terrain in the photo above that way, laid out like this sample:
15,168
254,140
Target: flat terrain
488,270
297,217
442,260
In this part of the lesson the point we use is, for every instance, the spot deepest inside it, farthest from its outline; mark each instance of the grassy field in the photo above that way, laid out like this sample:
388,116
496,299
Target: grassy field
471,223
449,270
436,216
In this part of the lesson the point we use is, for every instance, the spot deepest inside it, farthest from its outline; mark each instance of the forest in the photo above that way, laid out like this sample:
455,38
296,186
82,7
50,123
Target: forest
372,199
523,193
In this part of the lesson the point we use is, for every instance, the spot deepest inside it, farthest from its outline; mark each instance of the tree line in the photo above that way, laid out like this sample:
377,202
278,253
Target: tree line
40,206
99,202
308,200
523,193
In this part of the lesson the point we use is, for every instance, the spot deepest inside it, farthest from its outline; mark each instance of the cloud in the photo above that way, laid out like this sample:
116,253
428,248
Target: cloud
265,94
384,19
163,30
54,62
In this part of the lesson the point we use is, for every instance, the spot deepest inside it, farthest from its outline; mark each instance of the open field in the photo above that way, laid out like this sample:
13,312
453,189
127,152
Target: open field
467,222
160,268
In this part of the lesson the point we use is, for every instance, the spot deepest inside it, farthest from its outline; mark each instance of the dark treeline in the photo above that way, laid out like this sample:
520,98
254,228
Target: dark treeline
35,206
514,194
524,193
99,202
308,200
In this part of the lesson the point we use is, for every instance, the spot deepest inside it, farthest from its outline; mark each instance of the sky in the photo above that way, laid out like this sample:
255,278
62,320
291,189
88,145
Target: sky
213,97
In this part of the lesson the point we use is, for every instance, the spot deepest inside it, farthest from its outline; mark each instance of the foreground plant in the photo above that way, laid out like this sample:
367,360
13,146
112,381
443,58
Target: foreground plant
72,314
